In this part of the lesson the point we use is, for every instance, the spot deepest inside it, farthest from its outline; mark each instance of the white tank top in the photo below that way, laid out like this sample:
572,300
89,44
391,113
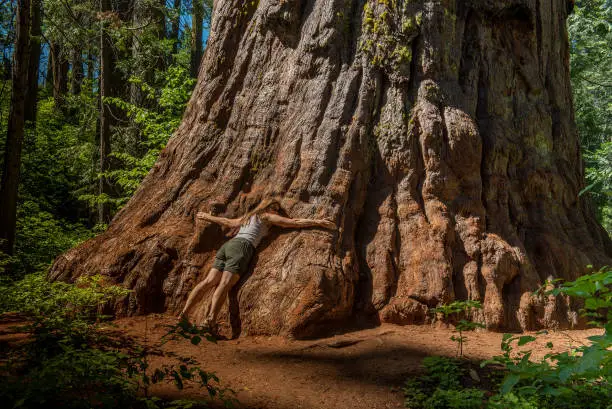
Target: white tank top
254,230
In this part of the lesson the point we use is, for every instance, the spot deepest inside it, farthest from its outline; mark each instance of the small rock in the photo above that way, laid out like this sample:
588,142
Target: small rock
343,343
474,375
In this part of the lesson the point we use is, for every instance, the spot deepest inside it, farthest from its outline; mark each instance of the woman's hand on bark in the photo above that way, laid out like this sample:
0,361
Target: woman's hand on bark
202,215
327,224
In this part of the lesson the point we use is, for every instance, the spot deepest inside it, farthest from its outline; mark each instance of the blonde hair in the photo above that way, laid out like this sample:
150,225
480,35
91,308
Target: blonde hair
261,208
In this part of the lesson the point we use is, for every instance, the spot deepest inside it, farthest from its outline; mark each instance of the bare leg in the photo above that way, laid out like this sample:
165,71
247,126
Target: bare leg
212,279
227,282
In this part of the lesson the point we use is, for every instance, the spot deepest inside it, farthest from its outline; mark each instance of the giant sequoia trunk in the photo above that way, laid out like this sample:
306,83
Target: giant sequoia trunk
439,135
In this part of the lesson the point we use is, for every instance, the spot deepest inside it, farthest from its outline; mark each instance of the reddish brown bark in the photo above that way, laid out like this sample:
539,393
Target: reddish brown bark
439,135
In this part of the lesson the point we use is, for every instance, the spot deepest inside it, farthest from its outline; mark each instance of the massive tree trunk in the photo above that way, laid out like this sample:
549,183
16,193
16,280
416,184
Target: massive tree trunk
15,129
439,135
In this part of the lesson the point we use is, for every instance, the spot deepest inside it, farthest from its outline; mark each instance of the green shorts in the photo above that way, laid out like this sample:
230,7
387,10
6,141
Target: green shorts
234,256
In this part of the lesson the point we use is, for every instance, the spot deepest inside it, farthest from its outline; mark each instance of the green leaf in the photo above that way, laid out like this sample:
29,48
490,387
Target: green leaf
195,340
525,340
509,383
178,381
565,373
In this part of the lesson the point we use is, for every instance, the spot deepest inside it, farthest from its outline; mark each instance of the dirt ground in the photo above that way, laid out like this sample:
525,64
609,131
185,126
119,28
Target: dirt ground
357,370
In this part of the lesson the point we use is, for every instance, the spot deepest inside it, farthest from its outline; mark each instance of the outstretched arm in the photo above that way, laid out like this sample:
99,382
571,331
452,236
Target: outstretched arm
223,221
299,223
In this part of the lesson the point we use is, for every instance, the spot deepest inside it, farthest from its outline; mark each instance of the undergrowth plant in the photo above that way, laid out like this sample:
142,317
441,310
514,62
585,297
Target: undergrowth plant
565,379
441,387
460,310
72,358
574,379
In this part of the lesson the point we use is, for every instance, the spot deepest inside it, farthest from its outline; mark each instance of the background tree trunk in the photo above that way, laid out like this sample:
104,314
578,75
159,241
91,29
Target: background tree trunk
175,26
106,75
77,72
34,63
49,69
196,36
15,129
91,66
140,15
439,135
60,74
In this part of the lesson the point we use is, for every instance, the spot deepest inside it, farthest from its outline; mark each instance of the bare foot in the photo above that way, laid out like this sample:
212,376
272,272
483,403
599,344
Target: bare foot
211,327
182,317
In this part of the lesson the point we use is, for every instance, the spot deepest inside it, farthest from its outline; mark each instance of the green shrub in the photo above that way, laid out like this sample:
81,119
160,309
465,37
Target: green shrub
566,379
572,379
455,399
41,237
442,372
460,310
70,361
73,378
510,400
440,387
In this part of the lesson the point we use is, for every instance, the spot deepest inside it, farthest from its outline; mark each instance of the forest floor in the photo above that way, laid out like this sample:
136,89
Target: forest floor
359,370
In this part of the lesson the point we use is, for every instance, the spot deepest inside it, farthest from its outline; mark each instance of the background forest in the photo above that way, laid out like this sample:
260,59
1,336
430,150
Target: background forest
87,145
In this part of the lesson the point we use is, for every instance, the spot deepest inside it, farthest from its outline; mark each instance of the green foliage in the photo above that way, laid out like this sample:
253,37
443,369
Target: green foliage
599,177
155,126
440,387
59,186
58,314
566,379
41,237
56,166
73,378
69,360
59,365
590,30
596,290
455,399
60,155
442,371
186,330
458,309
